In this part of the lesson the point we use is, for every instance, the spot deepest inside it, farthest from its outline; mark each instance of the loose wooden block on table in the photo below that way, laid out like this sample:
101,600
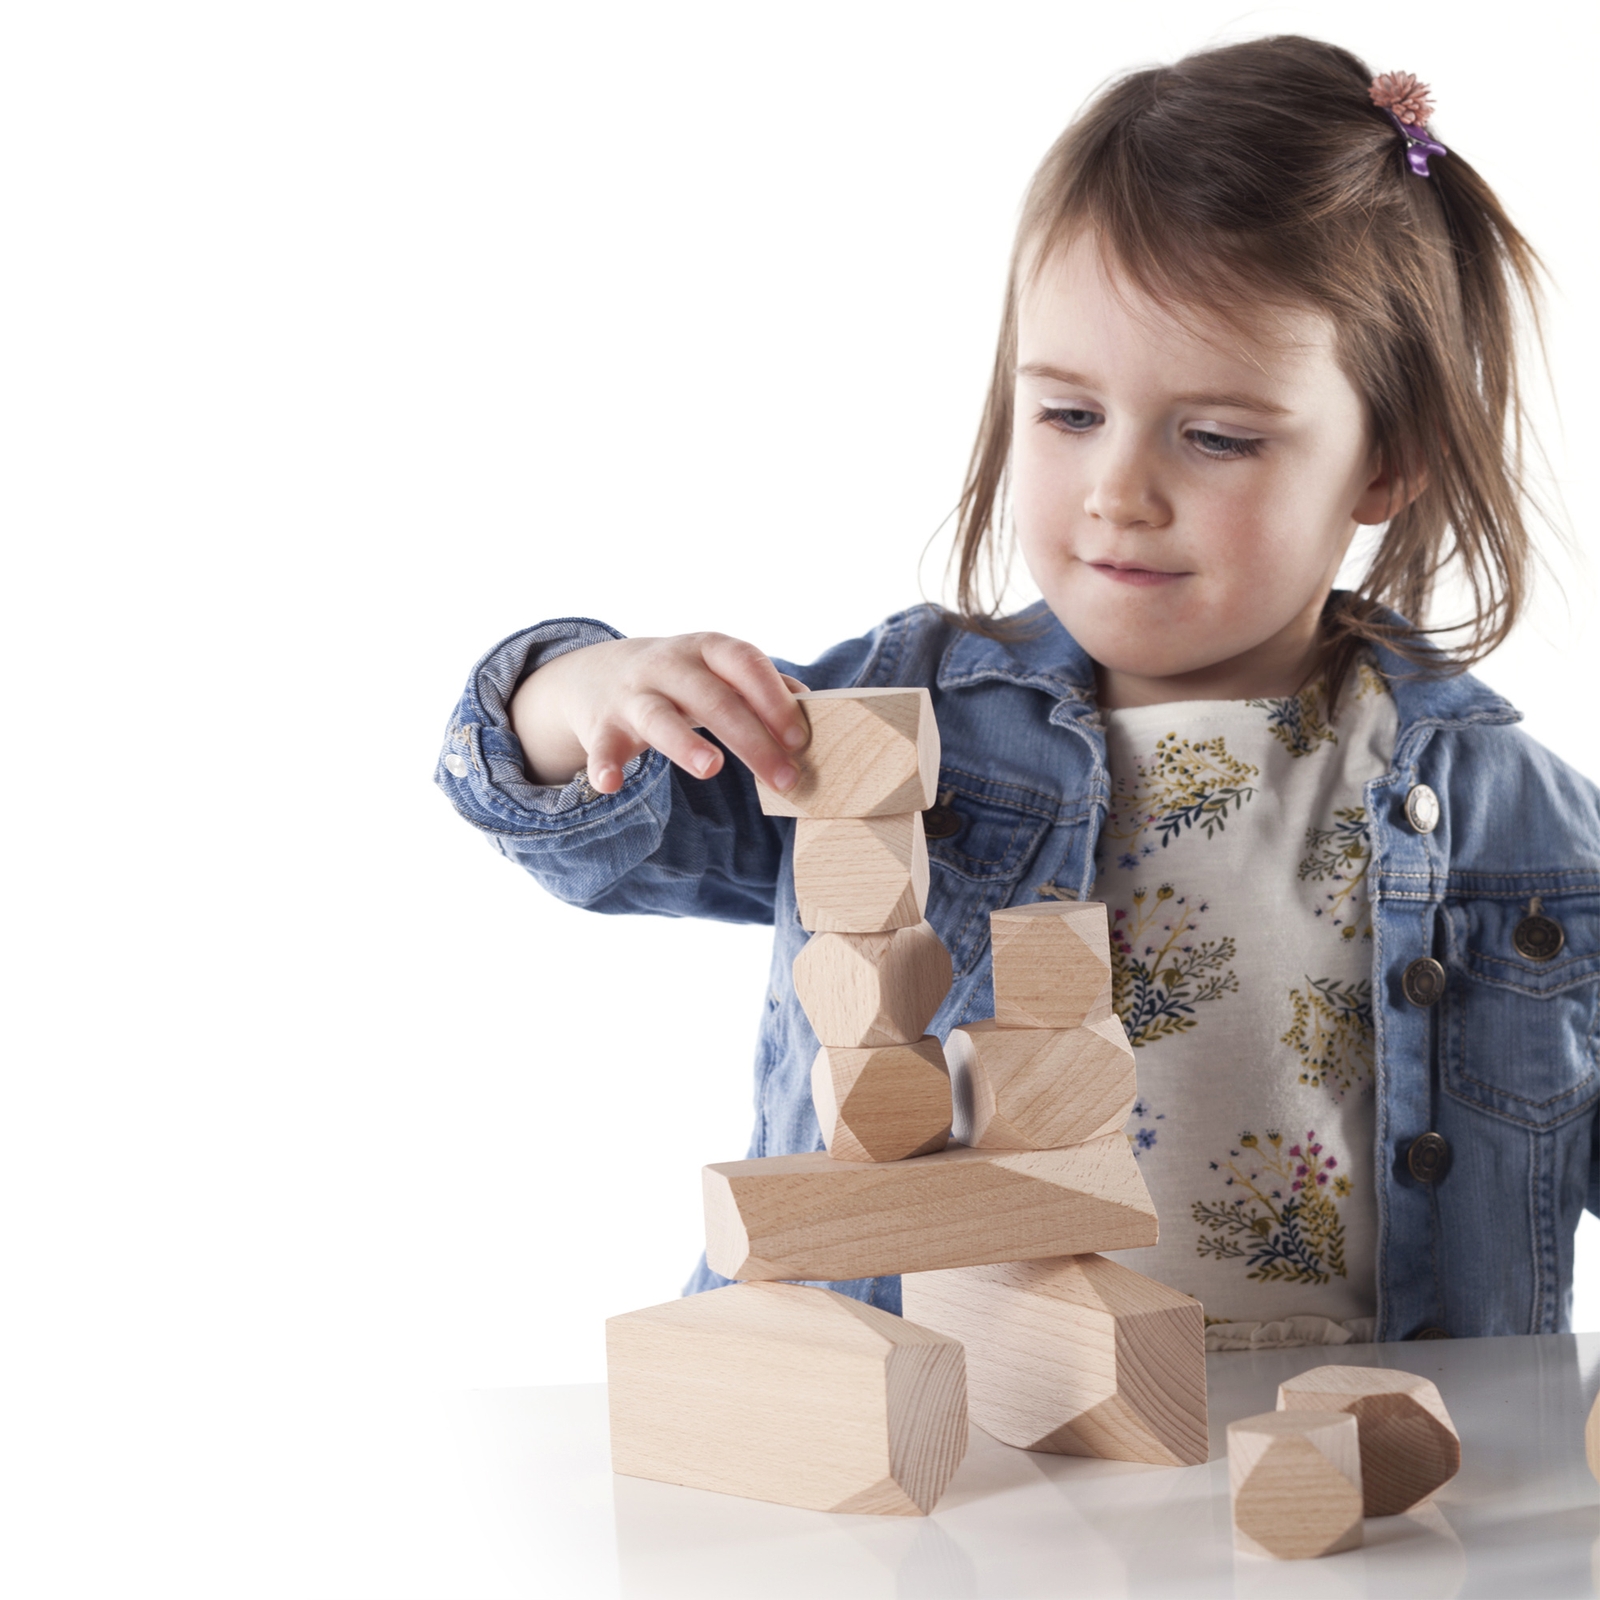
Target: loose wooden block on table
1039,1088
860,874
1409,1446
1078,1356
810,1216
872,988
1052,964
873,753
780,1392
882,1104
1296,1483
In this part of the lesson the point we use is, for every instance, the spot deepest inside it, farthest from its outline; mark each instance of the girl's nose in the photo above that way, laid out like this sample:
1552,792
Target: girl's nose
1126,494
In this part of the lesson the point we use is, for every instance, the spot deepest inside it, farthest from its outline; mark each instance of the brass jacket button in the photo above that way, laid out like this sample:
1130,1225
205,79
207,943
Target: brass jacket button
1537,936
1430,1333
1422,808
940,822
1422,982
1429,1157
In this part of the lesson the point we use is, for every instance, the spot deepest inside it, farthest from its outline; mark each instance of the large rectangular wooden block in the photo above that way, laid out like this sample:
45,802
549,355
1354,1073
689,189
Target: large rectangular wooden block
810,1216
1079,1356
860,874
1052,964
1039,1088
781,1392
873,753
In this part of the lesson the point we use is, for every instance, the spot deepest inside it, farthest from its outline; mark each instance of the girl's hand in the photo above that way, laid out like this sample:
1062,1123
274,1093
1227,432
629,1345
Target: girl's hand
600,706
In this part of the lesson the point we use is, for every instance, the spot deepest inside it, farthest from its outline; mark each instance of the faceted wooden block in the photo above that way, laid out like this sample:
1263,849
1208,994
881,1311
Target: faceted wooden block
1409,1446
1052,964
873,753
860,875
810,1216
882,1104
1039,1088
1296,1482
872,988
780,1392
1078,1356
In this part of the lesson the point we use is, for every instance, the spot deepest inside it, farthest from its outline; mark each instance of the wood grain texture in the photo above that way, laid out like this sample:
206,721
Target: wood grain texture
883,1103
1409,1446
872,988
1052,964
809,1216
873,753
1296,1483
1077,1356
860,874
781,1392
1039,1088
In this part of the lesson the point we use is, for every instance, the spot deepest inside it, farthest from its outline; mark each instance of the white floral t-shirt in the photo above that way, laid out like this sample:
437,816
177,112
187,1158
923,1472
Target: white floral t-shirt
1233,866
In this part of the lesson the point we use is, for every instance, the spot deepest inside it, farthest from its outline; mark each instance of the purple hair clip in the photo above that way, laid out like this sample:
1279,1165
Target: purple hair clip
1404,100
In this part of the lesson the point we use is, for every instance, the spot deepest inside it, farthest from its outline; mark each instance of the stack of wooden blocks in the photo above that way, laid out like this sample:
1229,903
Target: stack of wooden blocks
782,1391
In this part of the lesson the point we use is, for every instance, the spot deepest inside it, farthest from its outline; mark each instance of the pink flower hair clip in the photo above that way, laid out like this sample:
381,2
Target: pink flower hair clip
1404,99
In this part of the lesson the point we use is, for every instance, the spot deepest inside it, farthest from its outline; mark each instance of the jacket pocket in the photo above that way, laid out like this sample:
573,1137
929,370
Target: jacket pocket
1520,1034
995,829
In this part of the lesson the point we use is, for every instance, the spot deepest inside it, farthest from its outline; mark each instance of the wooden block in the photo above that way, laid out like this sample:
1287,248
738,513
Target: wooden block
872,988
1409,1446
1039,1088
1296,1482
860,875
1079,1356
1591,1438
1052,964
882,1104
810,1216
780,1392
873,753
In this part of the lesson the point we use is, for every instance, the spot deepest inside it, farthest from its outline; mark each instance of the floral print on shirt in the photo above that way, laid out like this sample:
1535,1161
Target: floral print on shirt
1340,855
1285,1225
1186,784
1160,971
1332,1033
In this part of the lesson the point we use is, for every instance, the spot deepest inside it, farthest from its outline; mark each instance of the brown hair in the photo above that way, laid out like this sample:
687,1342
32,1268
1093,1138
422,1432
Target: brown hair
1263,171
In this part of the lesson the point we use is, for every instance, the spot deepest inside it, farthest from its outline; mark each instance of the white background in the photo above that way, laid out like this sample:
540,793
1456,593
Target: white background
341,340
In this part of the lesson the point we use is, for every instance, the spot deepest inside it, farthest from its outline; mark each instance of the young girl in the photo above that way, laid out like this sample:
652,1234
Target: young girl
1253,305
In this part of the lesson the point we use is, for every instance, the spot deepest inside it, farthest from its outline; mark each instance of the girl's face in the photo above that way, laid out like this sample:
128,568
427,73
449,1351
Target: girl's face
1184,492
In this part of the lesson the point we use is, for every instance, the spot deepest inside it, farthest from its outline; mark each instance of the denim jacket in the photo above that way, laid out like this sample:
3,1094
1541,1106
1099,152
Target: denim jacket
1475,1233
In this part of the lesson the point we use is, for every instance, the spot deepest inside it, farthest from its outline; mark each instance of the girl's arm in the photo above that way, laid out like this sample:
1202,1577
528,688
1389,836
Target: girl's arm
648,836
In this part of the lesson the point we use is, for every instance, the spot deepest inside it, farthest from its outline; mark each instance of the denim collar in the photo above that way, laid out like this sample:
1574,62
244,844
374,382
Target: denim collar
1045,656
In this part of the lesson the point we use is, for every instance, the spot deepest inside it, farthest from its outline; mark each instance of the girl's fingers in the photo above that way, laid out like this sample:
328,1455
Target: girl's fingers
766,690
794,684
714,704
609,750
663,726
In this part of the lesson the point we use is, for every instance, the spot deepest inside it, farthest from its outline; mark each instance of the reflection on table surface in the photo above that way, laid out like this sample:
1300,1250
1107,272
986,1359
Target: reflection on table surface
1521,1519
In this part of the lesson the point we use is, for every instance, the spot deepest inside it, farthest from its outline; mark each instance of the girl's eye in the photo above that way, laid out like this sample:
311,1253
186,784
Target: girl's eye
1223,446
1070,419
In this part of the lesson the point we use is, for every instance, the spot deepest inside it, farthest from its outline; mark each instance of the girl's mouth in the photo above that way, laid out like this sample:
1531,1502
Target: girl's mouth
1130,573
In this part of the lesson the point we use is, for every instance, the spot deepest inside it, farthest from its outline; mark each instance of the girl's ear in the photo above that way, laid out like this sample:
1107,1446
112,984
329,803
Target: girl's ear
1388,494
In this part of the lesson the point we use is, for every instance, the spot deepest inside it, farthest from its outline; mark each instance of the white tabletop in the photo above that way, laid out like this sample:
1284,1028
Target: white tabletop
1522,1518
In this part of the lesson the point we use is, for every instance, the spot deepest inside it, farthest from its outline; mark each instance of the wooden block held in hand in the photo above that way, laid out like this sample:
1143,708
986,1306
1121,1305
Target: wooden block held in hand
1296,1482
883,1103
1079,1356
1409,1446
1052,964
860,874
780,1392
872,988
1039,1088
810,1216
873,753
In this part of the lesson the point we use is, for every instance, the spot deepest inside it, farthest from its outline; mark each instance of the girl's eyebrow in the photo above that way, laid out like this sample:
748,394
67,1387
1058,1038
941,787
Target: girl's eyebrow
1236,401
